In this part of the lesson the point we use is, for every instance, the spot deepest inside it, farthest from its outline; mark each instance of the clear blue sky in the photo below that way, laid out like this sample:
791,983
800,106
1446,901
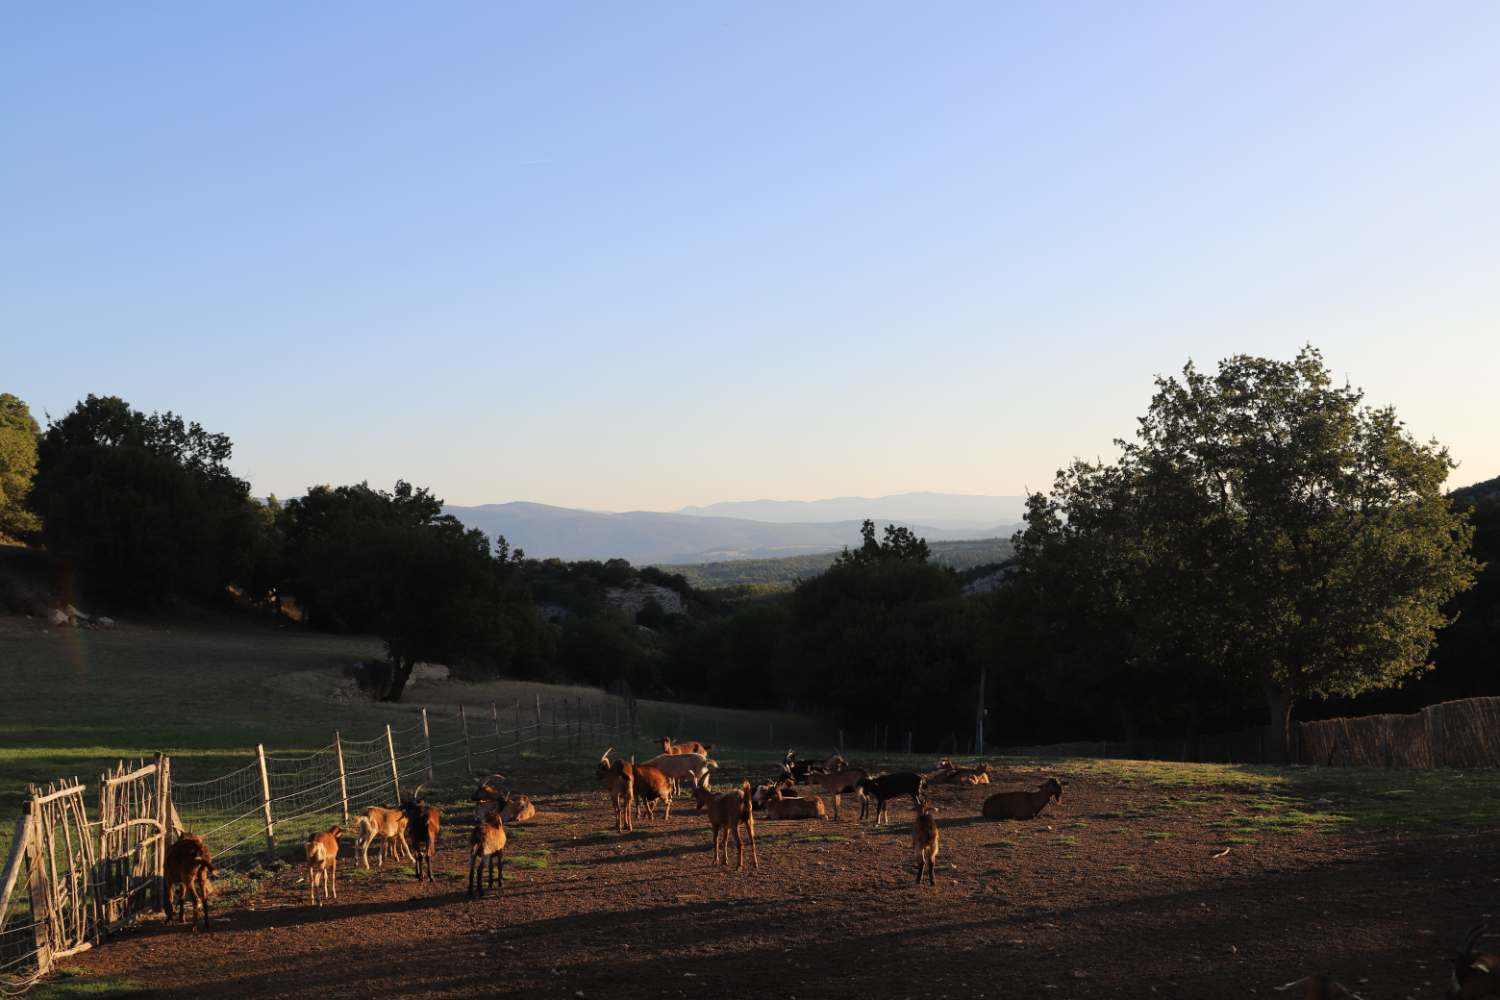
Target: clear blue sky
645,255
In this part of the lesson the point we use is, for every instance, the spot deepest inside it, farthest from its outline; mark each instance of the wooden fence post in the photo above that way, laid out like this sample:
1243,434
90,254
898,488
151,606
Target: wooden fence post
463,718
390,747
338,750
495,722
18,846
265,801
427,744
554,726
164,817
518,727
567,727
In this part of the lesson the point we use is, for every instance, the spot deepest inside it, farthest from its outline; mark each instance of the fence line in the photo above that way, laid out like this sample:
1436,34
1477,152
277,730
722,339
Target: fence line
71,880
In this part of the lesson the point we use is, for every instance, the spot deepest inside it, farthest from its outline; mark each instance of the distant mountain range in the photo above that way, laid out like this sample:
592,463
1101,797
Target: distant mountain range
940,510
645,537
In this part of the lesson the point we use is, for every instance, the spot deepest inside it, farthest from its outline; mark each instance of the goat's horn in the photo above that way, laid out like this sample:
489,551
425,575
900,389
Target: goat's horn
486,781
416,795
605,758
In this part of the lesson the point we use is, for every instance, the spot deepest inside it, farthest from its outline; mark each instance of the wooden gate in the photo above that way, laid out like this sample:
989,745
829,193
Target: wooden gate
134,818
55,846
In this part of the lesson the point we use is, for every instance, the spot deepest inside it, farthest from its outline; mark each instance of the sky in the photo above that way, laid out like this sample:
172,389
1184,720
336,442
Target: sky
644,256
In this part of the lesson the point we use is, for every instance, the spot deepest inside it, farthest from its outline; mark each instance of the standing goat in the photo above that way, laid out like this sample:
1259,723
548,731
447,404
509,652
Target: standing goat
1474,974
619,781
799,770
649,786
845,779
487,849
323,862
188,864
422,824
924,841
887,787
679,767
728,812
669,749
1022,805
389,825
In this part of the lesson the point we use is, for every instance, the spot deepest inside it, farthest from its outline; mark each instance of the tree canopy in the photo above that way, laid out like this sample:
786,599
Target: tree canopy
18,441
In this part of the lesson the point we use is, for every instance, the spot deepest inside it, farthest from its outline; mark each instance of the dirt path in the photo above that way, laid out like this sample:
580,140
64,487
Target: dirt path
1114,914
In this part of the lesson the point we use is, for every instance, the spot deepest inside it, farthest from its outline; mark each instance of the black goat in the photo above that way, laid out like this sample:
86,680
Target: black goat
887,787
1474,974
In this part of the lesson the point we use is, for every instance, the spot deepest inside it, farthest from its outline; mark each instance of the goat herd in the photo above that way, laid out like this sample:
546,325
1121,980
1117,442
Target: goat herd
639,788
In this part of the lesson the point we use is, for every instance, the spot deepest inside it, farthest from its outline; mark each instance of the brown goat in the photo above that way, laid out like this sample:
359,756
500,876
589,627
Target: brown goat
1022,805
1474,974
728,811
188,864
924,841
323,862
1319,987
779,807
487,851
979,775
518,810
389,826
650,786
422,823
836,783
669,748
619,781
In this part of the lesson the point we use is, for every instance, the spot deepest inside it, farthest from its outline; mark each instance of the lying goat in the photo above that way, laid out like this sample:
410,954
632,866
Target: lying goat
1474,974
323,862
389,825
924,841
727,812
764,789
188,864
670,749
519,810
422,824
516,808
799,770
887,787
778,807
1022,805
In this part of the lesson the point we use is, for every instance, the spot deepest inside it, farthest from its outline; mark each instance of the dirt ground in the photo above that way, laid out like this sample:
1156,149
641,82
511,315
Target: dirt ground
1117,892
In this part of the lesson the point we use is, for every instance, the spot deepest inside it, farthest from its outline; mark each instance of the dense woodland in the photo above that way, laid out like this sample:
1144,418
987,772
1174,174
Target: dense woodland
1265,547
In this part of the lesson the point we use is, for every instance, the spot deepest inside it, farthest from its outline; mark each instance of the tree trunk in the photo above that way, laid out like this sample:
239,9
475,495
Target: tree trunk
1132,731
1192,743
1279,700
400,674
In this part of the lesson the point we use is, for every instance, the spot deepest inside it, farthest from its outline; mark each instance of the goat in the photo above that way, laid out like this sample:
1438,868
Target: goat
764,789
924,841
519,810
188,864
1474,974
836,783
778,807
683,766
887,787
387,824
670,749
649,787
799,770
619,781
978,775
726,813
486,799
1319,987
487,849
1022,805
323,862
423,823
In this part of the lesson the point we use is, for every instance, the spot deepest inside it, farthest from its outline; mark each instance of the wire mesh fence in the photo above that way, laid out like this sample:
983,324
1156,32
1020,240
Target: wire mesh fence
68,882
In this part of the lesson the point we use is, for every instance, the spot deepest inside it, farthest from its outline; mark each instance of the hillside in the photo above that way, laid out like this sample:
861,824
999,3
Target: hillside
960,555
653,537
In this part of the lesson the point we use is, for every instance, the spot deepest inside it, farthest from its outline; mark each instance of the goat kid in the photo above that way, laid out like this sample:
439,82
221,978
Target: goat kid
780,807
188,864
727,812
619,781
322,849
487,850
1474,974
924,841
1022,805
389,826
887,787
422,824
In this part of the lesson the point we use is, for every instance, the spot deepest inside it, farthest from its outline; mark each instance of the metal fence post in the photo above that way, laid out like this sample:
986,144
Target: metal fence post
338,750
390,746
463,718
495,721
518,727
265,801
427,744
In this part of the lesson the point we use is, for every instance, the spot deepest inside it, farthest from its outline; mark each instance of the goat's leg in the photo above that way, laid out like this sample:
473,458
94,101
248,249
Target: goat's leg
499,864
750,832
333,877
203,892
921,863
473,865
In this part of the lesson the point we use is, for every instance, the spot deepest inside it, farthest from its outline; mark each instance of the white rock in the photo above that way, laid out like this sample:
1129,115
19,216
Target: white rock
57,618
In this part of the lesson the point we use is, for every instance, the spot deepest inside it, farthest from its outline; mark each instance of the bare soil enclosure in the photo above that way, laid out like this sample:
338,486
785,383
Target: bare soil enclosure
1118,892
